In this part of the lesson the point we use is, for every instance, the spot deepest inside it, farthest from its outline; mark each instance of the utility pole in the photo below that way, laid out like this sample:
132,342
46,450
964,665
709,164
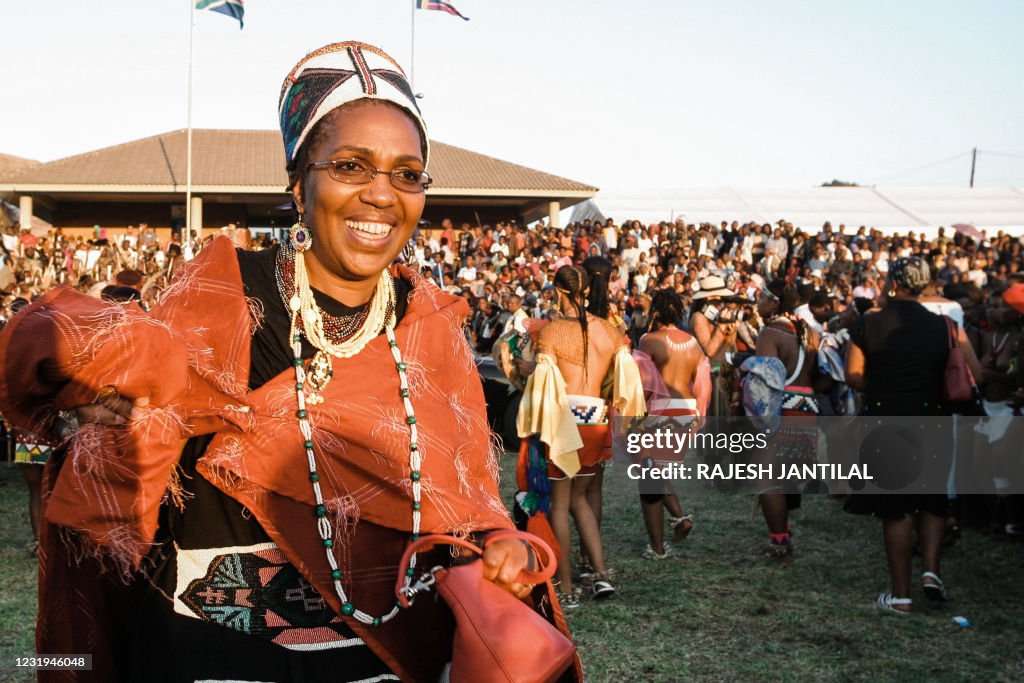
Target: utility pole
974,160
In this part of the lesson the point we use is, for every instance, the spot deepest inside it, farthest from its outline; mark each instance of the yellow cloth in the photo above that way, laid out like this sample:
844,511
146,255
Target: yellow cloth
627,388
545,411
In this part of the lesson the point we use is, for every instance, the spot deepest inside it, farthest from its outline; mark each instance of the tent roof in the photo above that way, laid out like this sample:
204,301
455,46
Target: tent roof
879,207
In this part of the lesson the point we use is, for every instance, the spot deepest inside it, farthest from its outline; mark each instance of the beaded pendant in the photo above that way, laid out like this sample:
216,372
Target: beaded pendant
318,374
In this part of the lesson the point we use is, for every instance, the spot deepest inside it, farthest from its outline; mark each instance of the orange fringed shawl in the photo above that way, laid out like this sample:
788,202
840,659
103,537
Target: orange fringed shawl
190,355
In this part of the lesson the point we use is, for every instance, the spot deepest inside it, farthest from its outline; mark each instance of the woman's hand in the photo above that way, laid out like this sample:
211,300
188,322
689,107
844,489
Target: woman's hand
110,408
503,560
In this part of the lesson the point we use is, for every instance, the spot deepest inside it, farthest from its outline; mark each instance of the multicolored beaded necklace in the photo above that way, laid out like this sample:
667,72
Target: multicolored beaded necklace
298,303
336,327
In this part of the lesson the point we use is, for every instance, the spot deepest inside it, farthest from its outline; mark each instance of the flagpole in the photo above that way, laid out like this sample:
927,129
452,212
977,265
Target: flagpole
412,50
188,152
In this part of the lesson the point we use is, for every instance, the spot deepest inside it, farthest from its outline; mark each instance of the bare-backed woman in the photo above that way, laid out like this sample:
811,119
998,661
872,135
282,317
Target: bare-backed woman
583,369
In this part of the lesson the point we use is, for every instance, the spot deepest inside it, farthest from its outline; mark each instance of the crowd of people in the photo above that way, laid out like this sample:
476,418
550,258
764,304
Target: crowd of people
733,292
506,267
503,268
133,257
790,323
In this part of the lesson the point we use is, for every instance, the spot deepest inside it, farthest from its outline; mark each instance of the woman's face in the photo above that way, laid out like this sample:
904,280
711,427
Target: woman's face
358,230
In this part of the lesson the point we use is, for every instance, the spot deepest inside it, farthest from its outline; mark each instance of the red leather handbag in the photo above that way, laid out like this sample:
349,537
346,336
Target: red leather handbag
498,638
958,383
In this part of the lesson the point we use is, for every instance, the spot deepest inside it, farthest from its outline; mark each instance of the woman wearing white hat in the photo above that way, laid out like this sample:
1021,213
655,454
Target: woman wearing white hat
714,327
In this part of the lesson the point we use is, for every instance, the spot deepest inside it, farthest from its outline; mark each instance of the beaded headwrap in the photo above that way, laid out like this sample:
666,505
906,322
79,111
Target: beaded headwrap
910,273
335,75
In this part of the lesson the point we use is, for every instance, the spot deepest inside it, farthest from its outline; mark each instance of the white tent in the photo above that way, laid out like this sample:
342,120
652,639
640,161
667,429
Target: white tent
885,208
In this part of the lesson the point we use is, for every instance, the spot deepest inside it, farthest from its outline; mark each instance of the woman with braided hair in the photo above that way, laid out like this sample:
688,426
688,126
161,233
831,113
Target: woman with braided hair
598,270
599,273
584,368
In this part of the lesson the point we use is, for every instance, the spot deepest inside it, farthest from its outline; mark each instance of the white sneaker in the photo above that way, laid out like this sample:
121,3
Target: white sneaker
603,589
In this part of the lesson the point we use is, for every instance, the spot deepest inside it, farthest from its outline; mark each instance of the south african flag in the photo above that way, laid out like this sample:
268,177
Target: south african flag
232,8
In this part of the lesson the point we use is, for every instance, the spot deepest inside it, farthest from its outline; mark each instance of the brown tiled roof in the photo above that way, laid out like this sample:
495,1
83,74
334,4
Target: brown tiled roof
11,165
238,158
455,167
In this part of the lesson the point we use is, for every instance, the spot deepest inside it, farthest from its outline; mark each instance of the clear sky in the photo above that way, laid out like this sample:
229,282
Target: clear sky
644,93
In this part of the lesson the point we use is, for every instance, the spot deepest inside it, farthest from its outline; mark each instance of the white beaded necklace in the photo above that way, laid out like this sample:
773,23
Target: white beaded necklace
381,313
299,304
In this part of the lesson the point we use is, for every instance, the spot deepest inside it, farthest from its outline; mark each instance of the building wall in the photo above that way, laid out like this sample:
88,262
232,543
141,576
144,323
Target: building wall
78,218
117,215
489,215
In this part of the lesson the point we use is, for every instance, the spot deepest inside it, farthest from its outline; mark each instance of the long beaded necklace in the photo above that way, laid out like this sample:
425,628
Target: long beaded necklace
298,304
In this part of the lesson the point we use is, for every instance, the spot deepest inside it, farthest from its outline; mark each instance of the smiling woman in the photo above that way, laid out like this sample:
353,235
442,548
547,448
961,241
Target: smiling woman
267,546
360,216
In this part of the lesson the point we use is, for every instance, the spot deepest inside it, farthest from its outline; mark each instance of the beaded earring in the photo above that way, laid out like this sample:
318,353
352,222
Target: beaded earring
300,236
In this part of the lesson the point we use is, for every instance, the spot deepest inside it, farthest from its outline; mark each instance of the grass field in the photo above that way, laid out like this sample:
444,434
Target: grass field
715,612
17,573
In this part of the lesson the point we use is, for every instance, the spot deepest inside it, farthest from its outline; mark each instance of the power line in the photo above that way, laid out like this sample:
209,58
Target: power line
1001,154
920,168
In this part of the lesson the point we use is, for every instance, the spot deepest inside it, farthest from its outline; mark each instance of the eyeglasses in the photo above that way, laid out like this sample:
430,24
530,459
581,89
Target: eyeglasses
357,172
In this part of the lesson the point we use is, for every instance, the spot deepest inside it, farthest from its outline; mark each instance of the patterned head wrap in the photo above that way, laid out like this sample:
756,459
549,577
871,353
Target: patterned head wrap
910,273
334,75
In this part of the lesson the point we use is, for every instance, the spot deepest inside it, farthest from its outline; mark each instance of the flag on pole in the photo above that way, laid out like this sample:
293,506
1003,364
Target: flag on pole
232,8
440,5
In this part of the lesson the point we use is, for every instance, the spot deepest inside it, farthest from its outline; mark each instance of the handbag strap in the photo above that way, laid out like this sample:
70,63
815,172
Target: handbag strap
951,329
547,563
542,551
